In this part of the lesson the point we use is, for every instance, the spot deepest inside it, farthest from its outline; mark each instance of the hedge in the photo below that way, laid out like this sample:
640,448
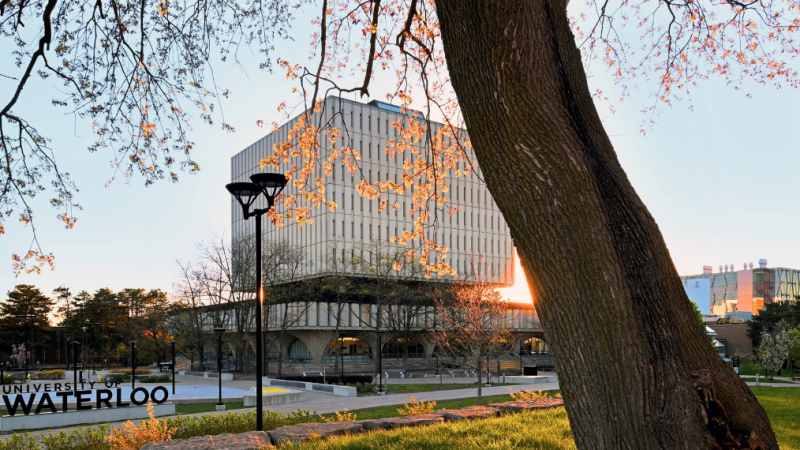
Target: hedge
331,379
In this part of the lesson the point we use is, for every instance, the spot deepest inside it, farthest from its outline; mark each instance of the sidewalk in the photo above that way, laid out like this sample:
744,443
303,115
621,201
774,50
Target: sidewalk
326,404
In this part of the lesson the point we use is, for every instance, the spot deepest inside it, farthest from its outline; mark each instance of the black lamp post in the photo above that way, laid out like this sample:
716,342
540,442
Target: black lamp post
220,332
74,366
93,343
133,365
83,352
173,366
27,318
380,361
271,185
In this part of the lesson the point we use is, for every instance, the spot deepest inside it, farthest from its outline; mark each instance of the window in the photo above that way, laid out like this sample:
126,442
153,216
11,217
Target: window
361,120
387,127
369,121
379,126
334,227
352,229
352,124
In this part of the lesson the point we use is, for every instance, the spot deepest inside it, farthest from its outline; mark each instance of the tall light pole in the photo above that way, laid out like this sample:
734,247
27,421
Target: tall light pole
93,343
380,361
220,332
173,366
28,318
271,185
133,364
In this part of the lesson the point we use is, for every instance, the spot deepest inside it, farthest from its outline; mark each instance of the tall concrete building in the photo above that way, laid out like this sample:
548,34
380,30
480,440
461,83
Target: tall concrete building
730,291
477,229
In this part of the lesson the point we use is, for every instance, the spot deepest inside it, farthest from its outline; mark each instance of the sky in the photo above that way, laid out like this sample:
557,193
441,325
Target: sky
721,181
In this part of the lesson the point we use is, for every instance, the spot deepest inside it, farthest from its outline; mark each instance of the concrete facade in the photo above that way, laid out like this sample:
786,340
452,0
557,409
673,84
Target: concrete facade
475,227
734,337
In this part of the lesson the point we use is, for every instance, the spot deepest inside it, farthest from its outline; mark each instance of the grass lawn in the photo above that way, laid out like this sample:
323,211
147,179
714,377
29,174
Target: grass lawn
533,430
766,380
783,408
383,412
206,407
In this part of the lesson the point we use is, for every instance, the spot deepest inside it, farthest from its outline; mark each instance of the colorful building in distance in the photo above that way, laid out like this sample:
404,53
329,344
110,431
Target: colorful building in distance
742,291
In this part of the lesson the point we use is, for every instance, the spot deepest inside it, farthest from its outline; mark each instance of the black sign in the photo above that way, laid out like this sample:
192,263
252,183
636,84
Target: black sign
735,361
46,396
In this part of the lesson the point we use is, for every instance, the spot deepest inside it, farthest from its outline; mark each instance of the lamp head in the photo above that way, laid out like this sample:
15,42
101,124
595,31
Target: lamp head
271,184
220,331
245,194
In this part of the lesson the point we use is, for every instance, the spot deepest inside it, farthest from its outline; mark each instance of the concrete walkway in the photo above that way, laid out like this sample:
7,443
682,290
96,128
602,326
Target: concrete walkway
326,404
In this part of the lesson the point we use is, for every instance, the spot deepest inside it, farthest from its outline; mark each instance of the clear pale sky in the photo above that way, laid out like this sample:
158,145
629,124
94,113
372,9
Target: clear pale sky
722,182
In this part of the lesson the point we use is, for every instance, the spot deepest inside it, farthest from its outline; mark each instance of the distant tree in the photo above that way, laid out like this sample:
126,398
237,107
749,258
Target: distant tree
794,353
702,322
769,317
25,300
474,323
774,348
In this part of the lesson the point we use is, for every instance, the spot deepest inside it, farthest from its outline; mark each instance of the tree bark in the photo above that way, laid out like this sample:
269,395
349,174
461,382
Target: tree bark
635,369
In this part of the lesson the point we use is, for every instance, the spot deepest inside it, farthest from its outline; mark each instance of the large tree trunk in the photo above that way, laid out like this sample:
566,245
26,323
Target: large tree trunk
635,369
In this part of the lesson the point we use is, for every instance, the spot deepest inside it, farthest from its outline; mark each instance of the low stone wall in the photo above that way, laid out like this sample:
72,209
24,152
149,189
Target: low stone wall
335,389
226,376
295,434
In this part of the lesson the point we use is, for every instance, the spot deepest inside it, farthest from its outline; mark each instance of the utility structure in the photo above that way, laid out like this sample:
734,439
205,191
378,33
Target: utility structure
271,185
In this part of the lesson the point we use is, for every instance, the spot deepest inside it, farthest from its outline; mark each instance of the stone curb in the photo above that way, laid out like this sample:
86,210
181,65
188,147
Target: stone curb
295,434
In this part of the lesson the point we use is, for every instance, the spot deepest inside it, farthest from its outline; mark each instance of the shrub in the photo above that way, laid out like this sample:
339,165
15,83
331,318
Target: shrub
528,395
9,379
56,374
78,439
156,379
233,422
331,379
364,389
340,417
139,371
133,437
416,408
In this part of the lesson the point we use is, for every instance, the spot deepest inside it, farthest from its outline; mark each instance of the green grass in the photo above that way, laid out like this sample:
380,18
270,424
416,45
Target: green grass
206,407
766,380
383,412
530,430
783,408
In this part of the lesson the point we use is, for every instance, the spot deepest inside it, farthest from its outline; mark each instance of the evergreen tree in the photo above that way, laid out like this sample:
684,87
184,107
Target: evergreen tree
16,327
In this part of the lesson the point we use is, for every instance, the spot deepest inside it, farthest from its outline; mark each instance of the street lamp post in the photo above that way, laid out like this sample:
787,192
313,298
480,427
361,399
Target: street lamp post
220,332
271,185
83,352
173,366
380,361
74,367
93,343
133,364
27,318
